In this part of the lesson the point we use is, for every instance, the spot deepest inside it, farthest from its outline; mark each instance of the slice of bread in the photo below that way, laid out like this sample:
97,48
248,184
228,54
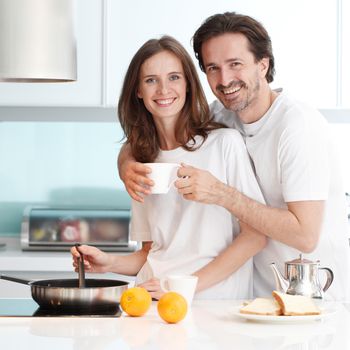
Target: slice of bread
262,306
296,305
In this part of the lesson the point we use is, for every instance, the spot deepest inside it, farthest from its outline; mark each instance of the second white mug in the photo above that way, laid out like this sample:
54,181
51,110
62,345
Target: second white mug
182,284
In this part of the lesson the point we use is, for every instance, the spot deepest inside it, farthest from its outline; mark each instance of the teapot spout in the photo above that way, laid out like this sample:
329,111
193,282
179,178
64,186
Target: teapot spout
281,283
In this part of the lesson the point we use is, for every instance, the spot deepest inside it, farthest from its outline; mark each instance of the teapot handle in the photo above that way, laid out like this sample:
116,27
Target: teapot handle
330,277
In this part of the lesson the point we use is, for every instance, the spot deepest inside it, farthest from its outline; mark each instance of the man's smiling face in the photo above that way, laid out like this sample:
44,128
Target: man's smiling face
232,71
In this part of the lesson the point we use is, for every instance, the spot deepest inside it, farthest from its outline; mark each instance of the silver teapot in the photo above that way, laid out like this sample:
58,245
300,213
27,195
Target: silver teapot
302,278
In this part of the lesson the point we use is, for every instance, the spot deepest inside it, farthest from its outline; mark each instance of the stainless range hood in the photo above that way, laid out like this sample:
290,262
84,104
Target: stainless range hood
37,42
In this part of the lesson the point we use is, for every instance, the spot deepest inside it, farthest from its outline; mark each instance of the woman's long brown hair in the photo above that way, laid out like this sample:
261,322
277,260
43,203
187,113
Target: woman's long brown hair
137,123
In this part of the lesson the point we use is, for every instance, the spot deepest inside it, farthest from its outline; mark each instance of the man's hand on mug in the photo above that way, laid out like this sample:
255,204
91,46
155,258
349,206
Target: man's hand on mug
134,176
198,185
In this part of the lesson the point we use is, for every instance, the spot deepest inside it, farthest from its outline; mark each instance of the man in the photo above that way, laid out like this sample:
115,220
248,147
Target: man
290,150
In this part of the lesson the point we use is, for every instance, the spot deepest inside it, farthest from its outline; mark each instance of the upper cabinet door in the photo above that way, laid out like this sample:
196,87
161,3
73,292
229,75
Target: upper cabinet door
304,39
86,91
303,33
131,23
304,36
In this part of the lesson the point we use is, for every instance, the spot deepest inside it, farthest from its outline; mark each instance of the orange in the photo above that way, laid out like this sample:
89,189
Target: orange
172,307
135,301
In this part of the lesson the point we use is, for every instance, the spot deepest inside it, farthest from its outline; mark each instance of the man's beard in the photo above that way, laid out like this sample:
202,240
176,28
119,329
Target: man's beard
241,104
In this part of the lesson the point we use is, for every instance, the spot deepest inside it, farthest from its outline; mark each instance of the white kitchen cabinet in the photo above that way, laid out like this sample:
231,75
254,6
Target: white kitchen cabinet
305,37
305,48
131,23
87,90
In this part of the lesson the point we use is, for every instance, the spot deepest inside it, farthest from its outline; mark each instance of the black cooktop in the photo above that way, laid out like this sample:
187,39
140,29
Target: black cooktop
29,308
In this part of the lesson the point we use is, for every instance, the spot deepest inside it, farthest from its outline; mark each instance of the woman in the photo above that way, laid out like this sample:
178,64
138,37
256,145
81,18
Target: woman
165,117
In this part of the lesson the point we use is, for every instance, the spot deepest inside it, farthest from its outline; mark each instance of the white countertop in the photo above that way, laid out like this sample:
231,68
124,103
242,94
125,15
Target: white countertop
13,258
209,325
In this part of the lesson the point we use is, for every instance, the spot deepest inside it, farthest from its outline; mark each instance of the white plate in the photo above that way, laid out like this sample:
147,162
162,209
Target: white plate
326,312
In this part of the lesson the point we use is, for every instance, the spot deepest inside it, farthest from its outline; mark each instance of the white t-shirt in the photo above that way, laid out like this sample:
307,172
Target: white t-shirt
187,235
294,160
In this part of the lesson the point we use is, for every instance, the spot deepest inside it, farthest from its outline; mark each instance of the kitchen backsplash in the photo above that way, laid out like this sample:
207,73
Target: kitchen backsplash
71,163
341,133
58,164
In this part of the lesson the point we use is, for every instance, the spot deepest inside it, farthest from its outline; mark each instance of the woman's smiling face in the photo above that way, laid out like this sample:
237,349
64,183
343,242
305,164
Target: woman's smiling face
163,85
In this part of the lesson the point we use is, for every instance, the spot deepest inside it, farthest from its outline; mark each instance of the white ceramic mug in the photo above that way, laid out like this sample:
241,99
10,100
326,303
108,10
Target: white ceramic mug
163,176
182,284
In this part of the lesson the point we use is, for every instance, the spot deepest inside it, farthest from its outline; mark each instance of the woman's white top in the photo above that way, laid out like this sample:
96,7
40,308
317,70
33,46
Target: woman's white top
187,235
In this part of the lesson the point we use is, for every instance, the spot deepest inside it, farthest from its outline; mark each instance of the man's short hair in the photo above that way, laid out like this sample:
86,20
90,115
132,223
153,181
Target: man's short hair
232,22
